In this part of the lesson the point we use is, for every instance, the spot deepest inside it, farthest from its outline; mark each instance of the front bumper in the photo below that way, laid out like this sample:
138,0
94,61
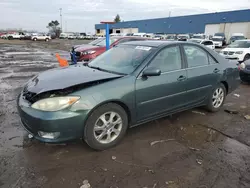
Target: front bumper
237,57
68,123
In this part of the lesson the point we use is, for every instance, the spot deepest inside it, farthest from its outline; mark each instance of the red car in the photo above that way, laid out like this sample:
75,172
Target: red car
88,52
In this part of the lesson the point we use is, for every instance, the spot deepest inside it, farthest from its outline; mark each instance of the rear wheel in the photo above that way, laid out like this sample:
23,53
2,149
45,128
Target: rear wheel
46,39
106,126
216,98
35,39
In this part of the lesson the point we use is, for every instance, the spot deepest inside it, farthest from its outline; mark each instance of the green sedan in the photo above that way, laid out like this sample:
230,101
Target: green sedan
128,85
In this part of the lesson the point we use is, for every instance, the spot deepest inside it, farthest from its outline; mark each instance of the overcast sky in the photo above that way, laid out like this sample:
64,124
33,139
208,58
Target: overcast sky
81,15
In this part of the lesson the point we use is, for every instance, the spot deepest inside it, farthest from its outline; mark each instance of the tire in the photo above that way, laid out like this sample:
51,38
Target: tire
214,107
35,39
10,38
103,130
247,56
47,40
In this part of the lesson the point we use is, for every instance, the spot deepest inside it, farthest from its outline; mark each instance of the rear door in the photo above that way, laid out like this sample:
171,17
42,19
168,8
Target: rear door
156,95
203,73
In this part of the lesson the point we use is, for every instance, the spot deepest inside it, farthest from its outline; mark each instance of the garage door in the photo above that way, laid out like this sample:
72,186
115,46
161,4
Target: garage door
210,29
236,28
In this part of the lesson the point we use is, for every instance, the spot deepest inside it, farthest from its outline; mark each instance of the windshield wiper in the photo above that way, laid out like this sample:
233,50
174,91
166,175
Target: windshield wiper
104,70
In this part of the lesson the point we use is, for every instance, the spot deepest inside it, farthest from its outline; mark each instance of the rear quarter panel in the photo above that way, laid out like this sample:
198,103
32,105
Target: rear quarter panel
231,74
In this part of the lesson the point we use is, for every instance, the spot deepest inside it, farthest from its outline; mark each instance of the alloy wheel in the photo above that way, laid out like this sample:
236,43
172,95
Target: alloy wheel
218,97
108,127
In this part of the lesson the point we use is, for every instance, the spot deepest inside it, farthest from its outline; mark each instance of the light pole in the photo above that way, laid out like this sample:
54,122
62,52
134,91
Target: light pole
61,18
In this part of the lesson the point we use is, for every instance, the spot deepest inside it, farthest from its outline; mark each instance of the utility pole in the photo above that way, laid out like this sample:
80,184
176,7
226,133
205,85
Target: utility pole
61,18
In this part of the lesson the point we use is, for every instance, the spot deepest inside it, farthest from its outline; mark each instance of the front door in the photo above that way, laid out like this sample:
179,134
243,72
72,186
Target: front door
156,95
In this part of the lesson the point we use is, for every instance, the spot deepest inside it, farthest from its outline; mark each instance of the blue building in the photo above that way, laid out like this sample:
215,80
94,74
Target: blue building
227,22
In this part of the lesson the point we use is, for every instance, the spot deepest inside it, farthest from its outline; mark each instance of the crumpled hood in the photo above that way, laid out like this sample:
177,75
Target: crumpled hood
61,78
85,47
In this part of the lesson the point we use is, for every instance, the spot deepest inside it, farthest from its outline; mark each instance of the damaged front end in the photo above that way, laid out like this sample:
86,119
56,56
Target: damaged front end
33,97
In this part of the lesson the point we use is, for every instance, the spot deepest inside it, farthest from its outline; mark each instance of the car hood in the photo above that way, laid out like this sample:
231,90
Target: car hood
62,78
85,47
234,49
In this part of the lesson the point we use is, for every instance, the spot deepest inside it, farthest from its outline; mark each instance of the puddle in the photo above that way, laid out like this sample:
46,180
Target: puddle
196,135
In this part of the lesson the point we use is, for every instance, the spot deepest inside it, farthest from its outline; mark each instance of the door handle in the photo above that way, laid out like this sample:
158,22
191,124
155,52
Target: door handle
216,70
181,78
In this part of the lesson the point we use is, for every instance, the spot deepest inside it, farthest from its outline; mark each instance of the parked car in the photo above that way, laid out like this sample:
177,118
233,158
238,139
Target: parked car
128,85
245,71
171,37
218,41
88,52
41,37
94,42
236,36
16,35
157,37
198,38
238,50
183,37
26,36
222,35
207,43
63,36
71,37
139,34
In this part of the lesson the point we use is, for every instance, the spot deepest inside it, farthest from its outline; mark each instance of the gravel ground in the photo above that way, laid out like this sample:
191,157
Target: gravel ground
192,149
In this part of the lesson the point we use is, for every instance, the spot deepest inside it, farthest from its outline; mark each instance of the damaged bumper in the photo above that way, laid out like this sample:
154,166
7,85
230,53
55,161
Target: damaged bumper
64,125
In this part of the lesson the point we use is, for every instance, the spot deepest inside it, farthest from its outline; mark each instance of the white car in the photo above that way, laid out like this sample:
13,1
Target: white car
207,43
218,41
42,37
238,50
71,36
15,35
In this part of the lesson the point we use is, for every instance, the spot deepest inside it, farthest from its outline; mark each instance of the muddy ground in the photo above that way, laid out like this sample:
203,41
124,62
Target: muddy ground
196,149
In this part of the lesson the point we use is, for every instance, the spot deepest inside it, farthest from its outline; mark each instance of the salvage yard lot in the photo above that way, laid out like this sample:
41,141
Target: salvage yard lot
193,149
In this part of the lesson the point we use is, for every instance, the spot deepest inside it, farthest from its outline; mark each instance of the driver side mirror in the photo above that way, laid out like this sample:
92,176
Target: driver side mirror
151,71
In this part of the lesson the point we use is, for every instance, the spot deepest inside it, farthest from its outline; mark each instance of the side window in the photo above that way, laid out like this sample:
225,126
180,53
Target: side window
195,56
168,59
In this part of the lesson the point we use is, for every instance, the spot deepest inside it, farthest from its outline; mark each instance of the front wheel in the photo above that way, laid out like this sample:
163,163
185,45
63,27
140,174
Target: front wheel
106,126
47,40
216,98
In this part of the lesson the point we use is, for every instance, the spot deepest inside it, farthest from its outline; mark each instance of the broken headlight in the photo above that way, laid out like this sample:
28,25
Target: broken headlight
55,103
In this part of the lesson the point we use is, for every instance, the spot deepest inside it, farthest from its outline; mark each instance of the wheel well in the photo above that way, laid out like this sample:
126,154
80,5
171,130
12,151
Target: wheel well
226,85
124,106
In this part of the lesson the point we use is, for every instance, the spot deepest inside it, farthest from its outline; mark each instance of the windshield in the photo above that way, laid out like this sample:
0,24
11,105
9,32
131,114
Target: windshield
240,44
237,37
219,34
198,37
123,59
217,39
94,42
103,42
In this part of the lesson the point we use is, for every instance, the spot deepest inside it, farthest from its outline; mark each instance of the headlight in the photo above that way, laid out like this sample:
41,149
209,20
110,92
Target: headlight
55,103
88,52
239,52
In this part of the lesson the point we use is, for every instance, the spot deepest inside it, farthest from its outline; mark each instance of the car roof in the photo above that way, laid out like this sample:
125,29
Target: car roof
246,40
152,43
